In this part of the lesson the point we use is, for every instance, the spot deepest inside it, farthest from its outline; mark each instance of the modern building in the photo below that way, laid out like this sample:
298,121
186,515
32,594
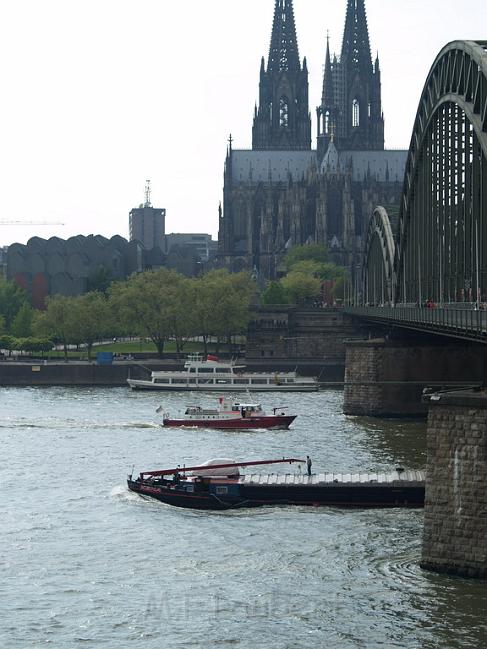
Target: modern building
148,224
202,244
73,266
282,192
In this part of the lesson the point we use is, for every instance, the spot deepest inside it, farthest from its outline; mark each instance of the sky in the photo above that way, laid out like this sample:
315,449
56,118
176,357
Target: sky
99,95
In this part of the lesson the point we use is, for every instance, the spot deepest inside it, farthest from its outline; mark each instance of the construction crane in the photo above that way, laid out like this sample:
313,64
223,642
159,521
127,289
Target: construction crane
31,223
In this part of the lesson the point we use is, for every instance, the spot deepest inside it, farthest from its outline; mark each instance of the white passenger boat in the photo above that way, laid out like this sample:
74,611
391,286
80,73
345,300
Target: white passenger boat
213,375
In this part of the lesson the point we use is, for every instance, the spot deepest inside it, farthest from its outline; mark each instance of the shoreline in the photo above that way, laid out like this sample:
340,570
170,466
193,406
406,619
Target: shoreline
42,372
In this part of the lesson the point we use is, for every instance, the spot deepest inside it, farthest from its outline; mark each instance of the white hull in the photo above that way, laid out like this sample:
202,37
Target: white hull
227,387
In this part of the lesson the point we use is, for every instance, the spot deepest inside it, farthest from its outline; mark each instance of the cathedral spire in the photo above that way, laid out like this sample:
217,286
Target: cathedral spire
328,91
283,121
356,43
283,53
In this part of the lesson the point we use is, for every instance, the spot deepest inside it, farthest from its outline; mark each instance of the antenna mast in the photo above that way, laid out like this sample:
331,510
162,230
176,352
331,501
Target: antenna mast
147,194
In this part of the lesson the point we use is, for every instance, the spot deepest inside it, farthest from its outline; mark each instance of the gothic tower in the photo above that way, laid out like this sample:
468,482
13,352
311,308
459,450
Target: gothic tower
351,106
282,120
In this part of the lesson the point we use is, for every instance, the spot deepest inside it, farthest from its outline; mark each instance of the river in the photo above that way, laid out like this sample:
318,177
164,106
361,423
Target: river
85,563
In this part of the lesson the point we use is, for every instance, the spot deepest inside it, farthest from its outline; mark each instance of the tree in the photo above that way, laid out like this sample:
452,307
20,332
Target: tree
22,323
145,305
213,292
33,345
12,297
231,310
180,310
58,321
100,280
312,252
8,343
91,319
275,293
301,287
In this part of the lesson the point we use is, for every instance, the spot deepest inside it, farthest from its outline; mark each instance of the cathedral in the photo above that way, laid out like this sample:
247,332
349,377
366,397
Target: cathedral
283,192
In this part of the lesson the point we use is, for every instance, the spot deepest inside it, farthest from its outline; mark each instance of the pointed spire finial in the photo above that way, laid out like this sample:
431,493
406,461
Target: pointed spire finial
283,53
356,43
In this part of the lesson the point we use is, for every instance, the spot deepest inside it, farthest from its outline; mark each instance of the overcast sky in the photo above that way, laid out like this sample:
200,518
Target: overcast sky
99,95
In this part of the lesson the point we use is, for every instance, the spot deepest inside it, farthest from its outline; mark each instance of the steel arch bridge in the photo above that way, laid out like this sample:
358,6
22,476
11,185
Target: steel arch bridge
378,266
440,251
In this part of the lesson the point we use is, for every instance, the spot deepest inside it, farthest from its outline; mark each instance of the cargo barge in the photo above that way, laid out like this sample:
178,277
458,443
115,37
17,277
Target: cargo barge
219,485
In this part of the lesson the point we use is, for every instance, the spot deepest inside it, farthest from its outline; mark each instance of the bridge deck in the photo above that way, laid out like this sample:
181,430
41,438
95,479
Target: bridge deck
468,323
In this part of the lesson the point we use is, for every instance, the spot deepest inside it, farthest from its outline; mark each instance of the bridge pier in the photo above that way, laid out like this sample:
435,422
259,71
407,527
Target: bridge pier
455,531
386,378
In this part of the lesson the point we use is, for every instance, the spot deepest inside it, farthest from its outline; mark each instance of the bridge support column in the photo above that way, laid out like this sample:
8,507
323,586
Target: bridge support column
386,378
455,531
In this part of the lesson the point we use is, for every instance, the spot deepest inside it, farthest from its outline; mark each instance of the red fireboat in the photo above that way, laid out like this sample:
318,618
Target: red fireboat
230,416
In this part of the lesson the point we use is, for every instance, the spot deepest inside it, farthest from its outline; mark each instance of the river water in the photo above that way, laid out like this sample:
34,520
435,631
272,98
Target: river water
85,563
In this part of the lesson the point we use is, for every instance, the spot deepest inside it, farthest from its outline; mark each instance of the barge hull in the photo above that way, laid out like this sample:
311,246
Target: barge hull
366,495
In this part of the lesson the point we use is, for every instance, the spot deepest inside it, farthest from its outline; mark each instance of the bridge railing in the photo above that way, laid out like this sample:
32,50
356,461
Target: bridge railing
464,322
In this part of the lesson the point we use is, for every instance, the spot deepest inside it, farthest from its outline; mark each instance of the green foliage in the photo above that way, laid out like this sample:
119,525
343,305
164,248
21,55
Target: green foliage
22,322
301,287
91,319
147,305
7,342
2,324
58,321
231,313
308,267
275,293
100,280
342,285
157,305
12,297
32,345
313,252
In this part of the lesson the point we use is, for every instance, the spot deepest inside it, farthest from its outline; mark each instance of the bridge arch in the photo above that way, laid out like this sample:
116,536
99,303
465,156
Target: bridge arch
441,243
378,266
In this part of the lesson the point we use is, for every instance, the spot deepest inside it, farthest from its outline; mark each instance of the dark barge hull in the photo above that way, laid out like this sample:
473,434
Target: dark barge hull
400,493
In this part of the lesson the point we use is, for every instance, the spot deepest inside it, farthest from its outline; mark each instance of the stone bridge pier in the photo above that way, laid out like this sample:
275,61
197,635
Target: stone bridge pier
386,377
455,529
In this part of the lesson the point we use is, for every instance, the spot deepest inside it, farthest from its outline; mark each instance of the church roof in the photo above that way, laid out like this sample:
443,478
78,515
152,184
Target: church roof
262,166
381,165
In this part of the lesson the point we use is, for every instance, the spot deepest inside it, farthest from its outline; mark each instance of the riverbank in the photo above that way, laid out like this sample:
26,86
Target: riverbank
31,372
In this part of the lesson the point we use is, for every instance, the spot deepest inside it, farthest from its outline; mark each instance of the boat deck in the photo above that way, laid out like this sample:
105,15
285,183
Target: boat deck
360,479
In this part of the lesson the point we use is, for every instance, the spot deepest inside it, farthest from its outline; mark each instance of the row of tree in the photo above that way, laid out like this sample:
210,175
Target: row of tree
161,305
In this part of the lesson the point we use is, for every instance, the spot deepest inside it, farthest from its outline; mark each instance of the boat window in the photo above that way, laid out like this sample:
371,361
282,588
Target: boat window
259,381
161,381
241,381
206,370
224,381
179,381
205,382
192,381
221,490
289,380
192,370
223,370
190,488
